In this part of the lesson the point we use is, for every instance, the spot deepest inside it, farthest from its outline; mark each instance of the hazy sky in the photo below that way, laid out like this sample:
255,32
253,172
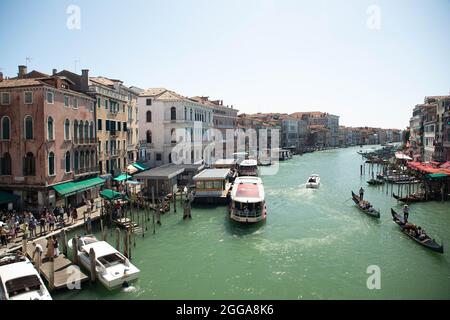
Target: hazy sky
259,55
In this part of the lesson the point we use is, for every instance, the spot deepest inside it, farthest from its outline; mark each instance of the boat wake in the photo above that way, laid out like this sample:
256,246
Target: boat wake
129,289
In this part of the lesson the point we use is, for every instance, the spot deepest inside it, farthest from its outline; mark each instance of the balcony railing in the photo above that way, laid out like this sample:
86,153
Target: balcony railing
145,144
84,141
86,170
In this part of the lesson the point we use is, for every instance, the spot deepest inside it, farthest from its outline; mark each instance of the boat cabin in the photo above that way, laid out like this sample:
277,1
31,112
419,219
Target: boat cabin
212,185
248,167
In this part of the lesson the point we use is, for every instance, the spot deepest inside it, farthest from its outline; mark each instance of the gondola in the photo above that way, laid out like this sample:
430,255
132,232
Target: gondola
374,213
408,199
427,242
375,182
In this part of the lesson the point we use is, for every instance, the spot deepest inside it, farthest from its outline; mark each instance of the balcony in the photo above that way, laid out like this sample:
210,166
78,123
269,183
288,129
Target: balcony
85,171
145,144
85,142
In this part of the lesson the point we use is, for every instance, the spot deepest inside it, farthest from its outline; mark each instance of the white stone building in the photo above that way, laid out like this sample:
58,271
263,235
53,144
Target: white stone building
172,128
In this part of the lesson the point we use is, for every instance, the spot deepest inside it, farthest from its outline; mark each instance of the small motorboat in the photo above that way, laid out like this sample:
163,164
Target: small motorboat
113,269
412,231
19,280
313,181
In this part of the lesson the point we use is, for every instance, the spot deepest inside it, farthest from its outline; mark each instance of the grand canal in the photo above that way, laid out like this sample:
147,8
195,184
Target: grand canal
315,244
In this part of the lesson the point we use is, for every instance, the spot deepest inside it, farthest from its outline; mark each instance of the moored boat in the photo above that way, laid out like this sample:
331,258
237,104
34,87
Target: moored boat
112,268
414,197
19,280
413,232
365,206
248,200
375,182
248,167
313,181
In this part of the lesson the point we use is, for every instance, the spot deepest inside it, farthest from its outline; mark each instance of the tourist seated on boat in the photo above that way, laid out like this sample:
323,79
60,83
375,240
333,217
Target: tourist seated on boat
421,234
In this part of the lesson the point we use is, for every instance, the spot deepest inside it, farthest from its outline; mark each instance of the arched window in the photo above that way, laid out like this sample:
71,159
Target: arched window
75,129
91,130
173,138
67,161
50,131
191,114
29,165
81,160
149,136
67,129
93,159
5,165
75,162
149,116
80,130
6,128
185,113
51,164
86,160
28,128
173,113
86,130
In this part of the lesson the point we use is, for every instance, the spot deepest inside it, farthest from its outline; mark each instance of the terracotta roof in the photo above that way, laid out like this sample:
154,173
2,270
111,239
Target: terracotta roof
11,83
103,81
152,92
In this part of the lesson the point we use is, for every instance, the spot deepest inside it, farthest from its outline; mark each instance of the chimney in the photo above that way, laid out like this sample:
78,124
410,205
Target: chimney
221,102
1,76
22,71
84,86
54,71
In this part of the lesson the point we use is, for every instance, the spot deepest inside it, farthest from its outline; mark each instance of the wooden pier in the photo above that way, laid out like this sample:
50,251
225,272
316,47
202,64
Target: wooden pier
64,271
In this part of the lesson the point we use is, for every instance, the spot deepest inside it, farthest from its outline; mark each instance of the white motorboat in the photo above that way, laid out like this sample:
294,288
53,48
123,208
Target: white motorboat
19,280
313,181
248,200
113,269
248,167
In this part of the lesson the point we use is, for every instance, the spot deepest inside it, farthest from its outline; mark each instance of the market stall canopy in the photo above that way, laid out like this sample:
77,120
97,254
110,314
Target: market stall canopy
140,166
122,177
6,197
109,194
132,169
73,187
437,175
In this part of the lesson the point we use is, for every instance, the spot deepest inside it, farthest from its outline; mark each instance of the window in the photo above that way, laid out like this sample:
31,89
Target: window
92,159
6,98
50,131
173,113
75,163
29,165
149,116
66,101
91,106
91,130
5,165
148,102
51,164
28,97
158,157
50,97
148,136
82,160
75,103
6,128
67,158
86,130
67,129
75,129
106,104
80,129
124,126
119,124
98,102
99,124
28,128
173,136
107,125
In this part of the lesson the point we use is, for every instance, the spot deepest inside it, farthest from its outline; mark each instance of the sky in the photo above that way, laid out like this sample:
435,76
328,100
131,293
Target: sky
369,62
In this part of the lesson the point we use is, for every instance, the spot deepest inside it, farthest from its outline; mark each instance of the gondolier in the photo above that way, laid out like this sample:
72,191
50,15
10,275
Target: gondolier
405,213
361,193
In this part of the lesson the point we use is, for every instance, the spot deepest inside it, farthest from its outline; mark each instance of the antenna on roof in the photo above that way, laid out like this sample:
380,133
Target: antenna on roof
76,61
27,59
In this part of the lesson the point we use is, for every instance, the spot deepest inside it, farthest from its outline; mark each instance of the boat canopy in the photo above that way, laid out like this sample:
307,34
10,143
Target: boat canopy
212,174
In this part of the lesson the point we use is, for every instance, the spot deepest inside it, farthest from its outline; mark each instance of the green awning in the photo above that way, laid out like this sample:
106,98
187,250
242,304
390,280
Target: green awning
73,187
109,194
437,175
140,166
122,177
6,197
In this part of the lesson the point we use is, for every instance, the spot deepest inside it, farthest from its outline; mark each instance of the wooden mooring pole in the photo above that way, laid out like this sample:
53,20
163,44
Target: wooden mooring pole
75,250
63,237
92,264
51,280
117,239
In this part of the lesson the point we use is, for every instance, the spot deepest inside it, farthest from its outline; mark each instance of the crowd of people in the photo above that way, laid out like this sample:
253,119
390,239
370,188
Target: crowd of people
36,224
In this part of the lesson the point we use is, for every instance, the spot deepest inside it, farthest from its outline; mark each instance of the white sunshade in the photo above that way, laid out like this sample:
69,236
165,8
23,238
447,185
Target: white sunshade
131,169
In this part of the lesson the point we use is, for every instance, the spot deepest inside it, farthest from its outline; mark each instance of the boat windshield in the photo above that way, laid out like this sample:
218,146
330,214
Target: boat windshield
111,259
20,285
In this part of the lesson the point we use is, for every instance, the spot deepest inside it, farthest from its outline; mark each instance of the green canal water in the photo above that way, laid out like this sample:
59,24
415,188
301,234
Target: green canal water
315,244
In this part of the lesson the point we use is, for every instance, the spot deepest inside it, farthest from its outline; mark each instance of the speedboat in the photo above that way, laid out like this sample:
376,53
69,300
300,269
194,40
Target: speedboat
112,268
313,181
19,280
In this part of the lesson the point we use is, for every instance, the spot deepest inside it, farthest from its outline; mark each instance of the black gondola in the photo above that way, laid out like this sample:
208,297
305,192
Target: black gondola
408,199
375,182
373,213
426,242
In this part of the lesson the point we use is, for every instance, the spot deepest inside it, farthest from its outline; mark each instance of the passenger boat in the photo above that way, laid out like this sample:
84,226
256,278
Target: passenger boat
375,182
313,181
212,186
414,197
365,206
19,280
113,269
248,167
248,200
411,231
